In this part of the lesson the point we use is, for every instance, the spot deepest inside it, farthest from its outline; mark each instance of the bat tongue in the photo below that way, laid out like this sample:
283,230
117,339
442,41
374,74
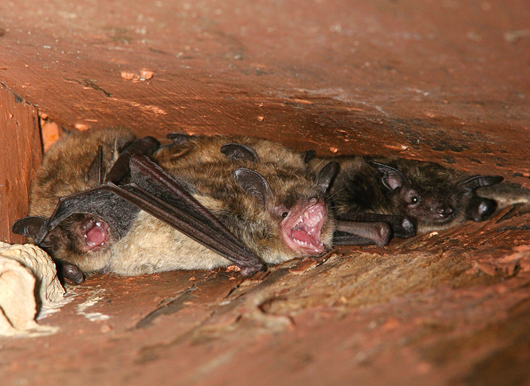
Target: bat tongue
303,236
97,235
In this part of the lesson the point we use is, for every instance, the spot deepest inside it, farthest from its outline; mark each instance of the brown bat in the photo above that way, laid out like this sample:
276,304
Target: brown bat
200,203
427,194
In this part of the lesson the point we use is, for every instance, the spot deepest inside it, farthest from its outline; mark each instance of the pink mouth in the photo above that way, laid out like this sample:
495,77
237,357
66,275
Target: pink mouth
301,229
95,233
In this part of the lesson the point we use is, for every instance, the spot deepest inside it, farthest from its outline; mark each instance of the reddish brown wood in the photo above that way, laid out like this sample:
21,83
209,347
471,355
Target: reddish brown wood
20,155
446,81
419,79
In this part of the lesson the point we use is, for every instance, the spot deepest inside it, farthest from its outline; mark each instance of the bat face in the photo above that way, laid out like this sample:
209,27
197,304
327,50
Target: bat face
300,221
430,195
434,208
436,197
82,240
67,168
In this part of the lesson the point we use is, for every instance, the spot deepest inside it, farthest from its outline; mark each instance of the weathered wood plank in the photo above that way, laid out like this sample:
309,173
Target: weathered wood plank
20,155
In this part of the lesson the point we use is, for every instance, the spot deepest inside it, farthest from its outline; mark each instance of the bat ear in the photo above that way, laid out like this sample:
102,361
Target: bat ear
179,138
29,226
95,170
237,152
326,175
308,155
392,178
477,181
256,185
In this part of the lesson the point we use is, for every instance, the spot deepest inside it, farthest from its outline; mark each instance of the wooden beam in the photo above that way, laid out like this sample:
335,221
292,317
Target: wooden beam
20,156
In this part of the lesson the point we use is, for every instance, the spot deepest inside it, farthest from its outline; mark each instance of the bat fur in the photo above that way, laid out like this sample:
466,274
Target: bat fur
297,204
65,168
433,196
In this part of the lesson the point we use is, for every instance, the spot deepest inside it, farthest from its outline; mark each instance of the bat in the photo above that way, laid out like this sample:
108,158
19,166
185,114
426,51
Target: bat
198,203
412,196
70,167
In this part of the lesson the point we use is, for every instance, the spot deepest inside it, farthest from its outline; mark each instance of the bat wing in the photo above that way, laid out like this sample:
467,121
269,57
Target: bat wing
162,196
104,202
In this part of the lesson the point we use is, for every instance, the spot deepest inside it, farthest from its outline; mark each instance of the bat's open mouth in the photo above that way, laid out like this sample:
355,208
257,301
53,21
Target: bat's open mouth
95,233
301,228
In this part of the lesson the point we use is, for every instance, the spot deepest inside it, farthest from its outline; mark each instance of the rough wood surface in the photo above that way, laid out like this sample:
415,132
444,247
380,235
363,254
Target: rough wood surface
20,156
444,81
420,79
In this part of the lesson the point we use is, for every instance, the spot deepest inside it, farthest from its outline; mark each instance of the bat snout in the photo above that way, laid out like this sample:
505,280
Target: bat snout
442,212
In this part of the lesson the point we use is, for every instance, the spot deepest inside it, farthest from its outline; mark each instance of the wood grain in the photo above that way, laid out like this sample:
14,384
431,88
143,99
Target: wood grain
20,155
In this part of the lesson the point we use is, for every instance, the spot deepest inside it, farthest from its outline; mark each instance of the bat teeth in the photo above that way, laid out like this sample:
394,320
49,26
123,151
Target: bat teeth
313,216
300,242
305,243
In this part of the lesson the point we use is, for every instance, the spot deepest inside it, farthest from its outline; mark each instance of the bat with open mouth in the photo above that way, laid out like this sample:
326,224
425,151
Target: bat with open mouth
198,203
395,190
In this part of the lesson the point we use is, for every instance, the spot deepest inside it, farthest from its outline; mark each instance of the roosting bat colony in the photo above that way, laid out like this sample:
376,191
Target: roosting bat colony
105,201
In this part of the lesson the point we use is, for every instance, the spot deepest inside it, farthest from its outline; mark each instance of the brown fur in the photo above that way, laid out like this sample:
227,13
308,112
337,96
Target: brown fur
358,188
153,246
65,166
200,165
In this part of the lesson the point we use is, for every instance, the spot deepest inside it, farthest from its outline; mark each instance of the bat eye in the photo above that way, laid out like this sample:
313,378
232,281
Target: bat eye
281,211
414,200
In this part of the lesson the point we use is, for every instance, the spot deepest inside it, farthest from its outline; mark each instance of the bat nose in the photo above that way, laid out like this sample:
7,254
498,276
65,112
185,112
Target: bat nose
447,211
